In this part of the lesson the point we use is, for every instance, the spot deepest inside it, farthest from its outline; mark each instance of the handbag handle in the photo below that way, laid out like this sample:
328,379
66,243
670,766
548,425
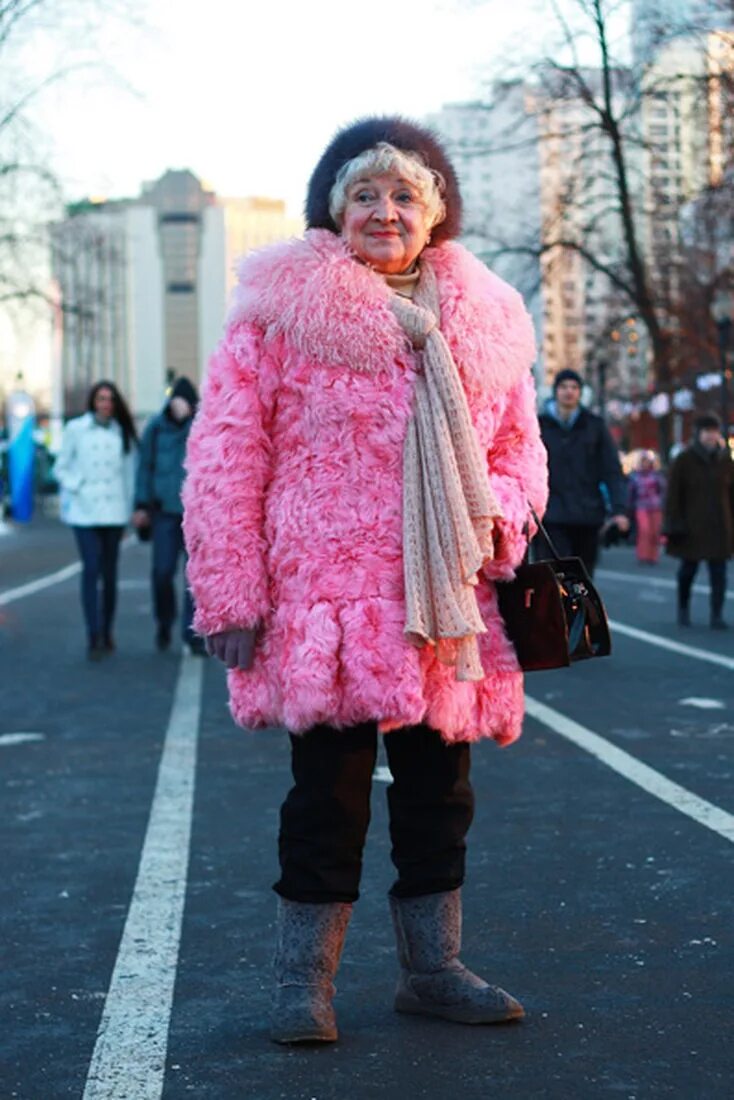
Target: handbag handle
544,533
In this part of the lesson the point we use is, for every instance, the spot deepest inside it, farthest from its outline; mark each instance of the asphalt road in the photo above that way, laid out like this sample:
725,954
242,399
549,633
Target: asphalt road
600,887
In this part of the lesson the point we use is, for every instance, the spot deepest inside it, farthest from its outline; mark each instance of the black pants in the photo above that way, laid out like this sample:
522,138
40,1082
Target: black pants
99,549
571,540
324,819
168,548
717,576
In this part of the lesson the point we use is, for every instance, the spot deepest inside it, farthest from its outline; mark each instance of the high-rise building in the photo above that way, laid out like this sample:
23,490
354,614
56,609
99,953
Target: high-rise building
143,284
180,202
687,124
493,146
584,314
655,23
110,316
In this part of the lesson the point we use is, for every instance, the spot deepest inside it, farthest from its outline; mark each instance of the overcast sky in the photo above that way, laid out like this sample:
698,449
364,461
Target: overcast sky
247,94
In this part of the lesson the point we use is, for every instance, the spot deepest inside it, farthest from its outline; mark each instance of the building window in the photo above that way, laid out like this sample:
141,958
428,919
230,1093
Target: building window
179,219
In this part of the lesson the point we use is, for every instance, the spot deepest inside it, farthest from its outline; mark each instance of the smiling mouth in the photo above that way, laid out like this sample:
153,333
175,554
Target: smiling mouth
386,236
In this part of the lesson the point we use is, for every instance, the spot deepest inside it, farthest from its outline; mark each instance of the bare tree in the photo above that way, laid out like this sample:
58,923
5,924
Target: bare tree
604,212
30,192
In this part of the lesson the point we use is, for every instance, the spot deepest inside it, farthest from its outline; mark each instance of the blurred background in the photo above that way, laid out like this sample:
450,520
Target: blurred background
144,146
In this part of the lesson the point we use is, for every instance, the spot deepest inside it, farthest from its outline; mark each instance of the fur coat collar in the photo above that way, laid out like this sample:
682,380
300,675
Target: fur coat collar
336,311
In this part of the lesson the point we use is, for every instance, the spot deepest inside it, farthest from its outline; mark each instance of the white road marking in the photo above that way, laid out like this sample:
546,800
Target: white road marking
674,647
701,811
651,582
129,1058
382,774
38,585
20,738
701,703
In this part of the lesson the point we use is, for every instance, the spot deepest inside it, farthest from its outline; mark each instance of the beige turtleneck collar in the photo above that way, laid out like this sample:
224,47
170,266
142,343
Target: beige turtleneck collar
404,285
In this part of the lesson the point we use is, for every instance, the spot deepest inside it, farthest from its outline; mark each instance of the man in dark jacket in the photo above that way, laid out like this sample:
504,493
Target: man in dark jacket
582,458
158,506
699,515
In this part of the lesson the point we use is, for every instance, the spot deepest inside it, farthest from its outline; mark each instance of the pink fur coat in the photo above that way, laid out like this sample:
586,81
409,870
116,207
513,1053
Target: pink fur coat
293,501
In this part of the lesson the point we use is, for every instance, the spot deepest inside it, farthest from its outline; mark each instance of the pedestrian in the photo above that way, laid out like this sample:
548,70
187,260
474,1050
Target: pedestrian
699,516
645,495
586,482
95,470
159,510
344,540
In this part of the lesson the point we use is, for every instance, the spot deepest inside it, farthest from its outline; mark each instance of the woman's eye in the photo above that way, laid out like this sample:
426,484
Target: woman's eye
363,196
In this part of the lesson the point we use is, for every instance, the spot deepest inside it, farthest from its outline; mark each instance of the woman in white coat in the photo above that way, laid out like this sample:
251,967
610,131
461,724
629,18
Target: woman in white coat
95,470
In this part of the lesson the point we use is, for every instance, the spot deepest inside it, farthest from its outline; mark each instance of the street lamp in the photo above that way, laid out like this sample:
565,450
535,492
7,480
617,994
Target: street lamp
721,311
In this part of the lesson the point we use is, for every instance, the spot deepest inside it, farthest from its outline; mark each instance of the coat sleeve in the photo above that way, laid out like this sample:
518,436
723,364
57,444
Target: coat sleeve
518,473
674,523
632,493
228,464
144,473
66,467
128,475
611,473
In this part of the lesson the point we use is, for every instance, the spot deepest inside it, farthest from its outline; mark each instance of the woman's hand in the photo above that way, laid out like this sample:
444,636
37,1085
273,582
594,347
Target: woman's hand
235,648
140,518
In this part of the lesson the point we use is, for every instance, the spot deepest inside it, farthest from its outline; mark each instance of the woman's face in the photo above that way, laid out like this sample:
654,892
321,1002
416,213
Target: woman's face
384,223
104,403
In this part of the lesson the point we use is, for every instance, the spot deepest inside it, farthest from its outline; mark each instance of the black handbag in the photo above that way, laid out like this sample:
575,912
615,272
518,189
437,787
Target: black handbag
553,613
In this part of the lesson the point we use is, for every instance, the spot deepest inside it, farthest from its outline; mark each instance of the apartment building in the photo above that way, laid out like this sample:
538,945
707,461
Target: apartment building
494,148
143,284
656,23
687,124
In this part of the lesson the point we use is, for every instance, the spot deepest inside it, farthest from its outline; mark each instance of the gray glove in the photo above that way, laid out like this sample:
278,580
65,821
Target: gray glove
235,648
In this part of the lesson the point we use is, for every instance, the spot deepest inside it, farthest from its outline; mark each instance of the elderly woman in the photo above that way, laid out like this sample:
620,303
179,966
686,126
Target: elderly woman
360,474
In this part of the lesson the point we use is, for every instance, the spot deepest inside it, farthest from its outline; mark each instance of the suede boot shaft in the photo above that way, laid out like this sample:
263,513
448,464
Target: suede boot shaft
433,981
308,947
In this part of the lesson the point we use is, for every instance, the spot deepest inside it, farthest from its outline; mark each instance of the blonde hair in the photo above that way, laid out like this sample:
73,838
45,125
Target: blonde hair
379,160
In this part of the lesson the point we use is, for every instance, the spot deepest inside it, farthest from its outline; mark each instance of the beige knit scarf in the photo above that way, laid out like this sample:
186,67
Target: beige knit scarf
449,509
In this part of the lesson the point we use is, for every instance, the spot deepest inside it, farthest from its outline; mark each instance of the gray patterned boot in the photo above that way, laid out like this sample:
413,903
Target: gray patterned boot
309,941
433,981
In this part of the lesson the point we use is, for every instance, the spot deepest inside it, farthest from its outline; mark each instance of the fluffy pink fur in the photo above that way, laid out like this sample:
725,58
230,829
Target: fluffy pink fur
294,491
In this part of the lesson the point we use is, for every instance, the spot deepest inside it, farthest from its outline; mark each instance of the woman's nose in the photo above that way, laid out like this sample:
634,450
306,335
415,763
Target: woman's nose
386,210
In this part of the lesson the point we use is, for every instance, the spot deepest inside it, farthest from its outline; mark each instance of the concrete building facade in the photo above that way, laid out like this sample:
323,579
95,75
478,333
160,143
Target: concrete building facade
494,148
687,123
656,23
143,284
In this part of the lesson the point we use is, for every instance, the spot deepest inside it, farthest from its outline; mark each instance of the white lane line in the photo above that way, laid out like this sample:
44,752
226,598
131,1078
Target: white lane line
703,812
20,738
674,647
129,1058
701,703
650,582
38,585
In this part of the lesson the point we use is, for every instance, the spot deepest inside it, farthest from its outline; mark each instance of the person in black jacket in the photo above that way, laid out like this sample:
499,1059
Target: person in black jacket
699,515
582,458
158,507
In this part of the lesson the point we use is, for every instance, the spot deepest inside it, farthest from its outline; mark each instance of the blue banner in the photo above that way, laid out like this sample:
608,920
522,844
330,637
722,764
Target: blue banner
21,454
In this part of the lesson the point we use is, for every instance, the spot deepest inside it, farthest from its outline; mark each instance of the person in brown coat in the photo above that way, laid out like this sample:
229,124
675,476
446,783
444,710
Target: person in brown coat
699,515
